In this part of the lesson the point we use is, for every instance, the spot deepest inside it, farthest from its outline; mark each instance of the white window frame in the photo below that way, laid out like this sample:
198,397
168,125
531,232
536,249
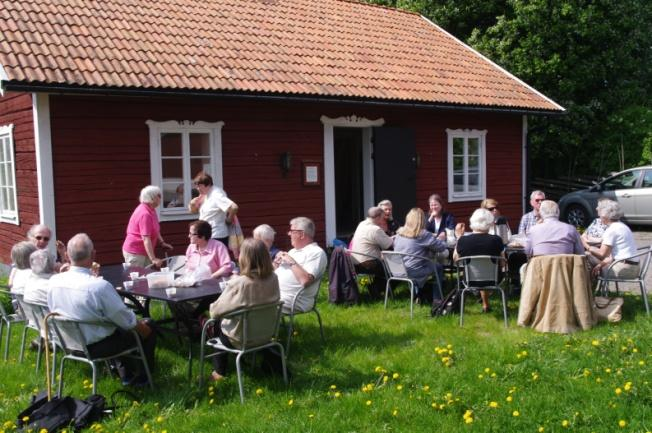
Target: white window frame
9,216
481,135
185,127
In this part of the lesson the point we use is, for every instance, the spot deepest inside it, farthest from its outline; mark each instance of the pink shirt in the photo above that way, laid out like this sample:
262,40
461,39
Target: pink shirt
215,255
143,222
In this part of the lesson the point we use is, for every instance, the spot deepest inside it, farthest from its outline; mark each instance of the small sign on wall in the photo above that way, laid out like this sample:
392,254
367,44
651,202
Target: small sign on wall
311,173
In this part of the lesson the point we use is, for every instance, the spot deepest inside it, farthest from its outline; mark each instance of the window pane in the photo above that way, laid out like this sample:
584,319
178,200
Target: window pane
458,163
173,195
199,145
11,205
647,180
474,146
172,168
623,181
3,199
474,162
171,144
458,183
474,182
200,164
3,142
458,146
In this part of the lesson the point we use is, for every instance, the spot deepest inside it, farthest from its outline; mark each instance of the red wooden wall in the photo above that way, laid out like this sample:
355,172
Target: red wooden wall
16,109
101,159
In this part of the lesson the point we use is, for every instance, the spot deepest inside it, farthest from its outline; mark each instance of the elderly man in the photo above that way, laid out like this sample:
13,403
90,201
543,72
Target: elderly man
79,295
532,218
552,236
369,240
389,224
303,266
266,234
40,235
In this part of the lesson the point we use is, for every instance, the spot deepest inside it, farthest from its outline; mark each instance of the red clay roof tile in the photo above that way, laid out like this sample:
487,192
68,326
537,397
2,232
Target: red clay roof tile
332,48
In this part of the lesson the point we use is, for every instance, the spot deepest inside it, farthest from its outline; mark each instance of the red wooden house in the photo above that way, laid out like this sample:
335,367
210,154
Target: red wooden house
296,107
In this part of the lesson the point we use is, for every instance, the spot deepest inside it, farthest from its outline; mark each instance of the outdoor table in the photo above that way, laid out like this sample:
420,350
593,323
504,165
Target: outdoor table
141,295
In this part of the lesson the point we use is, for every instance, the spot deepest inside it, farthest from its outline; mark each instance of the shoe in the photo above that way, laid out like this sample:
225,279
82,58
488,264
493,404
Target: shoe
34,344
215,377
486,309
136,381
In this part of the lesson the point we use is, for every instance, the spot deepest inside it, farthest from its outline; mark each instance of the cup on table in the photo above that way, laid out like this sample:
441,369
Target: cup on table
171,291
125,266
133,276
128,285
165,269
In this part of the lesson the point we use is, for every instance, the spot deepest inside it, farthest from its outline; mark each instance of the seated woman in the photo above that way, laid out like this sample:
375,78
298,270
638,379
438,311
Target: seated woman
438,219
593,233
500,227
617,244
257,284
21,271
480,243
206,257
412,238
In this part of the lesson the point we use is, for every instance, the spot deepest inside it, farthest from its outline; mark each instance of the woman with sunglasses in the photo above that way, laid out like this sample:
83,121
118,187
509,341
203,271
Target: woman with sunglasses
500,226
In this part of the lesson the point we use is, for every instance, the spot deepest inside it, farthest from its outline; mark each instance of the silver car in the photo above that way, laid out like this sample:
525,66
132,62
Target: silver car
631,188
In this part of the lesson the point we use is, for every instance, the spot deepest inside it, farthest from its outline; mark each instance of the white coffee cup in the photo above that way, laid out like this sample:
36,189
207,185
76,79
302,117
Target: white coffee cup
171,291
165,269
133,276
128,285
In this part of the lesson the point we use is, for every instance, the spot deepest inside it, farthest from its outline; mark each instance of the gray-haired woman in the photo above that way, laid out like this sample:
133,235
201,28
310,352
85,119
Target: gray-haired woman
143,230
617,244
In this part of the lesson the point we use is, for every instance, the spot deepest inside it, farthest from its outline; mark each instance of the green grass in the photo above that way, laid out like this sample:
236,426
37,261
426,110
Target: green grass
544,379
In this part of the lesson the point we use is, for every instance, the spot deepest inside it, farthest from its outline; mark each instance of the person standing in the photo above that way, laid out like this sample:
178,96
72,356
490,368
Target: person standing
213,206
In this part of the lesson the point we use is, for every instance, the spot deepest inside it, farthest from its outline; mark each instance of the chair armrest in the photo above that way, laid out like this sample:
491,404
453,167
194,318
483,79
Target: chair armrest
641,254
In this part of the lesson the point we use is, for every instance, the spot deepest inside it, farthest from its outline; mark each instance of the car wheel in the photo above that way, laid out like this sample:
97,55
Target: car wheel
577,216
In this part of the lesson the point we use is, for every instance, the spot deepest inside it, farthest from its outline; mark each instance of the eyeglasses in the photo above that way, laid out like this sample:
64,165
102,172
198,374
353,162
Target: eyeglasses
193,234
42,238
538,200
294,231
491,209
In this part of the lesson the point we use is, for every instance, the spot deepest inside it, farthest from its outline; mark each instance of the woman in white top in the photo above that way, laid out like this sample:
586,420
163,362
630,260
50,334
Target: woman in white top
213,206
617,244
21,270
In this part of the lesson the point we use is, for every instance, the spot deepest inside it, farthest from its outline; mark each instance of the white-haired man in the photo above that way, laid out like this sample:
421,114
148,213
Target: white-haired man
303,266
266,234
79,295
552,236
532,218
40,235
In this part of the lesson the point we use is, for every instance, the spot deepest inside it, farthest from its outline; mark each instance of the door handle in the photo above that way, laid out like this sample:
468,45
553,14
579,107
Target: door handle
626,195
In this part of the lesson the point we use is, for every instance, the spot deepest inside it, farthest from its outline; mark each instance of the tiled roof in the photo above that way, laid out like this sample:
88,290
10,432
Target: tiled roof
326,48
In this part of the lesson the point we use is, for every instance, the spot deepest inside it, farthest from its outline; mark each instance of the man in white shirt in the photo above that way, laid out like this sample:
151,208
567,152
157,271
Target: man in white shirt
79,295
303,266
38,284
369,240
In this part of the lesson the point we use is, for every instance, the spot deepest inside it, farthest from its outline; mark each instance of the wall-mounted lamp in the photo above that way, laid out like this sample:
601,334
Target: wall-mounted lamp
286,162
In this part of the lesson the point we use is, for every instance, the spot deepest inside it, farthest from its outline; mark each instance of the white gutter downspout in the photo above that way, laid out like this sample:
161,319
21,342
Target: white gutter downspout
524,159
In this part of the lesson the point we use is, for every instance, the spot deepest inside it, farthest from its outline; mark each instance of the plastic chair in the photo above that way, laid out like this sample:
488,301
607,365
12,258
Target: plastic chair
479,268
69,337
370,257
395,268
261,322
8,319
644,258
292,311
33,318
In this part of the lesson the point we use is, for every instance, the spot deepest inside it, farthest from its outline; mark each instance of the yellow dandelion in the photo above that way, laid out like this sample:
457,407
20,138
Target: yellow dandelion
211,401
394,412
622,423
467,414
541,429
565,423
312,415
468,420
493,374
333,386
338,394
25,418
259,391
43,430
487,370
399,387
426,388
385,379
628,386
641,362
607,370
595,342
618,391
395,376
290,402
509,398
493,404
145,426
378,369
295,333
449,346
516,413
368,402
480,376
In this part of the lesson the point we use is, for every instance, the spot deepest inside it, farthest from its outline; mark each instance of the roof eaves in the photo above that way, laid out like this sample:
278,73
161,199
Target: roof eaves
494,64
59,88
3,79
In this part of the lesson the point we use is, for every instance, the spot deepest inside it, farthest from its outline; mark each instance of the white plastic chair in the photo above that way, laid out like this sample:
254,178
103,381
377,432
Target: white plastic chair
261,322
69,337
479,268
395,268
644,258
8,319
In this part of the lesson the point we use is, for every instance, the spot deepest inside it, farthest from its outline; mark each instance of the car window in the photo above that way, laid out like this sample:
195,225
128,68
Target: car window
647,179
622,181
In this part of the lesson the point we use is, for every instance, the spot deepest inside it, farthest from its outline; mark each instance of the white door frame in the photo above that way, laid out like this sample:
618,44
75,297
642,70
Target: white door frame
329,165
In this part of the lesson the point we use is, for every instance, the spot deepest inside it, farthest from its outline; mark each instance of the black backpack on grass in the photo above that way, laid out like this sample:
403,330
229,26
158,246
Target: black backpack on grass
447,306
60,412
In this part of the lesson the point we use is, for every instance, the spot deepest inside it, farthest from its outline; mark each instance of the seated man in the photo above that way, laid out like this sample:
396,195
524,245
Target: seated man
40,235
369,239
516,260
551,236
266,233
303,266
79,295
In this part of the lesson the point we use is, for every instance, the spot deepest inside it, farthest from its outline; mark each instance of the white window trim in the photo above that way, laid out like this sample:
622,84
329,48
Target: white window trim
466,134
10,217
184,127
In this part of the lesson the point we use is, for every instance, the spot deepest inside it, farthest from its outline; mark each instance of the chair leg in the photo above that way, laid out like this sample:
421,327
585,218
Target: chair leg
2,328
22,344
462,307
94,372
54,364
643,287
411,300
201,363
387,289
502,293
283,364
60,389
321,327
289,338
39,352
7,340
239,371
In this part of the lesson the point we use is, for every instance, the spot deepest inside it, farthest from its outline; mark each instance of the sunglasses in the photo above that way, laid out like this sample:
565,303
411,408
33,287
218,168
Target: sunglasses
42,238
538,200
491,209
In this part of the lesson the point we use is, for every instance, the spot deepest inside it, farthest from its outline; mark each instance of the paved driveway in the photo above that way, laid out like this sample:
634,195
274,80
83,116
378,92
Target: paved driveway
643,238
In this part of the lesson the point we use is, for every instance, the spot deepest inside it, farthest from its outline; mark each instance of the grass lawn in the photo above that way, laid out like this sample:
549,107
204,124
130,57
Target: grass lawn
381,371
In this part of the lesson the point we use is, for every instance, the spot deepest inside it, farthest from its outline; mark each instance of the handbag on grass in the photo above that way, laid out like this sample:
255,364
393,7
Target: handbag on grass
610,309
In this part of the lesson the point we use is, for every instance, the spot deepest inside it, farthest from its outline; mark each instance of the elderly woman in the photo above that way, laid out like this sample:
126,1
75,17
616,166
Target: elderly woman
413,238
438,219
143,231
21,270
37,286
480,243
213,206
617,244
266,233
593,233
389,225
207,252
492,206
257,284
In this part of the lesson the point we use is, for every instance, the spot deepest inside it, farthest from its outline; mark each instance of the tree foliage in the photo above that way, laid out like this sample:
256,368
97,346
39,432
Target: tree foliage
594,57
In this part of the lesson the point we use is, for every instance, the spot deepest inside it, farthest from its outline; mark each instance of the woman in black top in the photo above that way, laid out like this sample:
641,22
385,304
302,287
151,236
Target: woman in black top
480,243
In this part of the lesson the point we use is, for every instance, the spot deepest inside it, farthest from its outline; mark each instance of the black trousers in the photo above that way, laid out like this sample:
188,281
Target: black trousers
119,341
